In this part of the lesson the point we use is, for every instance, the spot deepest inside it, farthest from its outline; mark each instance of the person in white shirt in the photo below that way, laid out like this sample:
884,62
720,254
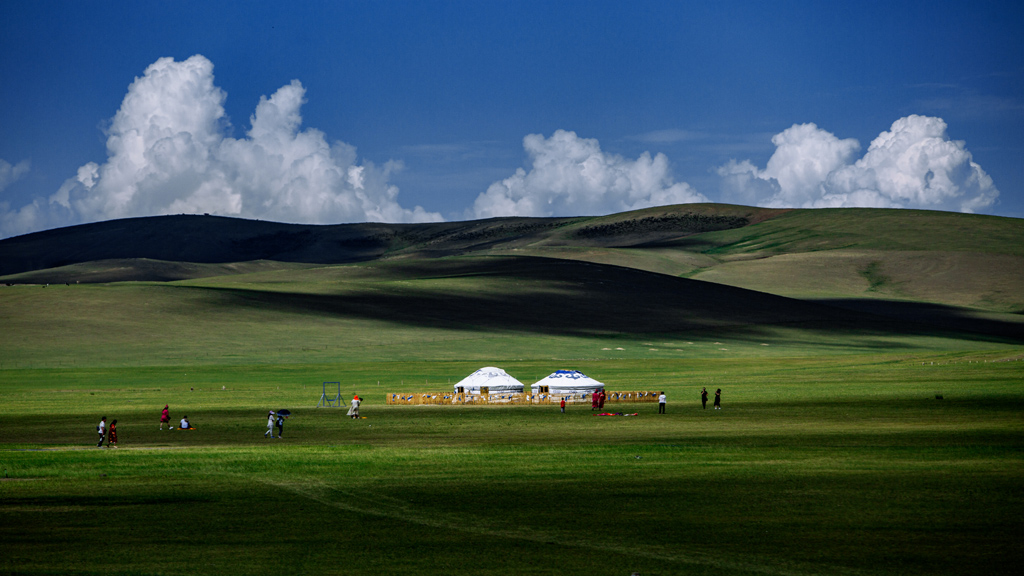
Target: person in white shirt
102,429
354,410
184,423
661,403
270,425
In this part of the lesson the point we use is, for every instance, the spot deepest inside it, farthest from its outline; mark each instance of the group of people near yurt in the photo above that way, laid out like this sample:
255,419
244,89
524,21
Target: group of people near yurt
563,384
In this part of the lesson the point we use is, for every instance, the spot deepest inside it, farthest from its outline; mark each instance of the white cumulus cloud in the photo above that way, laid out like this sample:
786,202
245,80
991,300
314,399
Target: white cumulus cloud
912,165
571,176
169,152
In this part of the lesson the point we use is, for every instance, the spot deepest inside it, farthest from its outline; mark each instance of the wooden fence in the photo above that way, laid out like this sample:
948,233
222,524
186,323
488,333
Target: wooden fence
450,398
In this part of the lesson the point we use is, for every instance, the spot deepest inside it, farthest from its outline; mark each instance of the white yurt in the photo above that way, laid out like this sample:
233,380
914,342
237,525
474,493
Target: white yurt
494,379
565,382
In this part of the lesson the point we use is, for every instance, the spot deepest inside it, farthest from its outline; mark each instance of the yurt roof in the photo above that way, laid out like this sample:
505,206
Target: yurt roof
493,378
568,380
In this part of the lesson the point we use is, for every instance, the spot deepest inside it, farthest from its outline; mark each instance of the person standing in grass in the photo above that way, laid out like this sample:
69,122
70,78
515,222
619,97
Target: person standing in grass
270,424
563,404
165,417
353,412
704,398
112,435
661,403
102,430
718,399
280,426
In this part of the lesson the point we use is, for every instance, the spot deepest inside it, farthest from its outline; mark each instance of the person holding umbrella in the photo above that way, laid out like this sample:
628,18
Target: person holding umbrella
281,415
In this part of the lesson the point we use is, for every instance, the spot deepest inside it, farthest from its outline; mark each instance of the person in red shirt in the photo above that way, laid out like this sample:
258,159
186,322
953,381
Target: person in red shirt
112,435
165,417
563,405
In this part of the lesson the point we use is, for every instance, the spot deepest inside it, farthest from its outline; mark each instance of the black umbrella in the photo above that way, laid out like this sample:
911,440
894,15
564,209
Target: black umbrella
284,412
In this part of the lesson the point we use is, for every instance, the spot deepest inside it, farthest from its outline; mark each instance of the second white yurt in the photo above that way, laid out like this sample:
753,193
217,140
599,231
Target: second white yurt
565,382
494,379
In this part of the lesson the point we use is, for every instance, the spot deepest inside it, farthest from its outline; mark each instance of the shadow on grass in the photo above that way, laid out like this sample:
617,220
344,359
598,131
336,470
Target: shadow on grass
938,315
570,298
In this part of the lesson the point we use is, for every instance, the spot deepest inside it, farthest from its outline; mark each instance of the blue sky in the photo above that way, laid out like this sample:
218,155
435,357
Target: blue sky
327,112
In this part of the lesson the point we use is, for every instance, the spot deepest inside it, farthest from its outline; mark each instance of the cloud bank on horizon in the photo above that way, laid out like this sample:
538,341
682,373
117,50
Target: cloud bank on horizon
169,152
571,176
912,165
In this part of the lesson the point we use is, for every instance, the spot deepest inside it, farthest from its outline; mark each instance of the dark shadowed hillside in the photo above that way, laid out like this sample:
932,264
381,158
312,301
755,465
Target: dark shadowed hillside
214,239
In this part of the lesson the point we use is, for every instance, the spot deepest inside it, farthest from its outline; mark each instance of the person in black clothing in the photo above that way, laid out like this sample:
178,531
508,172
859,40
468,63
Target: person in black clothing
280,426
704,398
718,399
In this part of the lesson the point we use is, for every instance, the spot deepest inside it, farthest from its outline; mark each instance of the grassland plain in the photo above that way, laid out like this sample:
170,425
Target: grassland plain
833,453
823,465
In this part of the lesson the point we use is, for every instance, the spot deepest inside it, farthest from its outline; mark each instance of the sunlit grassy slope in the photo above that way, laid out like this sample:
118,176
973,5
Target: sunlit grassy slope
937,257
955,259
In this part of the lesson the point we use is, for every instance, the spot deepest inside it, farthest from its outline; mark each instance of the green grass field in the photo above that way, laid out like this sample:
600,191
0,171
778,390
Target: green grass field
814,466
833,453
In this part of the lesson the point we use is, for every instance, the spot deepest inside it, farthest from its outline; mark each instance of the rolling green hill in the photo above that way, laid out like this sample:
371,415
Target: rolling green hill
955,259
213,239
679,271
456,308
936,257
